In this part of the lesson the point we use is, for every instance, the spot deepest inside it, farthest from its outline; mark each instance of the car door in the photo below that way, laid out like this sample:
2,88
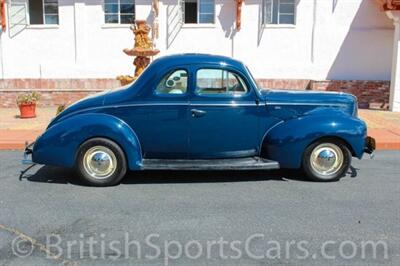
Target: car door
161,122
224,115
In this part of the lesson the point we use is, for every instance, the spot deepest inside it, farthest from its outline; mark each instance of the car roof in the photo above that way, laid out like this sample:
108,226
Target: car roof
193,58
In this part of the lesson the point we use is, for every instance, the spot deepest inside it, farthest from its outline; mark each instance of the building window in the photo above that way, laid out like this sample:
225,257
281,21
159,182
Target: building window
43,12
278,12
198,11
119,11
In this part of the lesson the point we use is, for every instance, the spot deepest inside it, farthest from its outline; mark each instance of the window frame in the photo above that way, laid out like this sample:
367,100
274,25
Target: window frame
198,14
222,95
278,24
172,95
28,14
118,13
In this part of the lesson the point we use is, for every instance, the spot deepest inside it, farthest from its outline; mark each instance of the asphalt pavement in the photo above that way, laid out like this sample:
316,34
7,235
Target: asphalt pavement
201,218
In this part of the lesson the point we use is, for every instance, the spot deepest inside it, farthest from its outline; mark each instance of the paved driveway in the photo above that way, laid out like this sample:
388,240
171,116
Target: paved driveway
197,218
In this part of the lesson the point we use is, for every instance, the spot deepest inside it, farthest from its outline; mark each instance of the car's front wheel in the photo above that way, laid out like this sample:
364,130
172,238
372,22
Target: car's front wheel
101,162
326,160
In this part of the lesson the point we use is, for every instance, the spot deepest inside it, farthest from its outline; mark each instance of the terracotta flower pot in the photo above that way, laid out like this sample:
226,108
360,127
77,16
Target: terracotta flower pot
27,110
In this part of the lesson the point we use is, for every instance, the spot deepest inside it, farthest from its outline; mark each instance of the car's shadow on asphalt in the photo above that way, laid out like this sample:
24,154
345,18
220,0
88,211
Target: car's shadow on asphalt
50,174
148,177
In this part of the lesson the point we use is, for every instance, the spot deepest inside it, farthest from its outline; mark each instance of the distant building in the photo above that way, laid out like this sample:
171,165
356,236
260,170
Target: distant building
69,49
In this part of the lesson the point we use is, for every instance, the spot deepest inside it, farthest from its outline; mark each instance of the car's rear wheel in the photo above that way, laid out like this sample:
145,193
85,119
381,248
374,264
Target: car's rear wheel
326,160
101,162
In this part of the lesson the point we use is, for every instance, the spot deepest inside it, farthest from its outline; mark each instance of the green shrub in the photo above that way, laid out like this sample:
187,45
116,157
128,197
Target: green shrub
28,98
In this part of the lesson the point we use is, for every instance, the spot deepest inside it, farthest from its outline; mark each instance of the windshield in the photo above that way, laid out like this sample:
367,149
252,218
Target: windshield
254,83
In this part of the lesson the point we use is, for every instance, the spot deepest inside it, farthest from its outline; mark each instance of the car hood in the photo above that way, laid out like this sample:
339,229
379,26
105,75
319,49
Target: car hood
311,99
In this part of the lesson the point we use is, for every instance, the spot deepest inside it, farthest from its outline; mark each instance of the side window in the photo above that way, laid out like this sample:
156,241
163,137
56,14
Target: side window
219,81
173,83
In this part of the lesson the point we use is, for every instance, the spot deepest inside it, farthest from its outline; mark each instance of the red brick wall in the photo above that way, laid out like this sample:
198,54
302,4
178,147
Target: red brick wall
47,98
287,84
64,84
53,92
371,94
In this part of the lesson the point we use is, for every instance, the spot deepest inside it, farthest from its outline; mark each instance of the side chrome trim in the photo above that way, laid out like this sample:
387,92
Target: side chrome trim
305,91
147,104
184,104
223,104
306,104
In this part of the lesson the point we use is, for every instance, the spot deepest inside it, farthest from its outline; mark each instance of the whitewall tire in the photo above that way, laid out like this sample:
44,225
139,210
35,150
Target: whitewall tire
101,162
326,160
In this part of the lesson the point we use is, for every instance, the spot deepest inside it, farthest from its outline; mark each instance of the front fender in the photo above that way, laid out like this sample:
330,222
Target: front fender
59,144
287,141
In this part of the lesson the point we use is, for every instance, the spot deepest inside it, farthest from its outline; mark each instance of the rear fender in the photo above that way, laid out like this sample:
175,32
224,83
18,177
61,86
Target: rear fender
59,144
287,141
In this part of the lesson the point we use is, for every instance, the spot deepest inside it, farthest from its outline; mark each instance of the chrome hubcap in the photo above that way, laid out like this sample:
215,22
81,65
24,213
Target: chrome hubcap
99,162
326,159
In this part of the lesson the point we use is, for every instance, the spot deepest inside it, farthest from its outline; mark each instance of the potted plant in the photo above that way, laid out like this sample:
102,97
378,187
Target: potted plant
27,104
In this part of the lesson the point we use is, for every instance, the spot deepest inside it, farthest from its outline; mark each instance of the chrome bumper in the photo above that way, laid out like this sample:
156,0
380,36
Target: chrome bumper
28,153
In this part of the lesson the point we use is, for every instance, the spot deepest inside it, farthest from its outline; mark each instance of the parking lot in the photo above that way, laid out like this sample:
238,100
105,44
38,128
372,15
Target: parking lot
197,218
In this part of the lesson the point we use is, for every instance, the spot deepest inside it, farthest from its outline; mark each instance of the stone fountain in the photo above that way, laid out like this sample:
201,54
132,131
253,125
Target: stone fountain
143,49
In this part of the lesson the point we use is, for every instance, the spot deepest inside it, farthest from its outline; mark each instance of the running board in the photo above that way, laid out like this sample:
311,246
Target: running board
253,163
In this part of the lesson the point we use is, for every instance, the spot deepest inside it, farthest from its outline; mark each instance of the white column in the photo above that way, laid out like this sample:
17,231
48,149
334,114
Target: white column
394,101
79,32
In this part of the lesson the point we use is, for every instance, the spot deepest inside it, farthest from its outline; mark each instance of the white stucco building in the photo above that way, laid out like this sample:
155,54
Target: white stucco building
284,42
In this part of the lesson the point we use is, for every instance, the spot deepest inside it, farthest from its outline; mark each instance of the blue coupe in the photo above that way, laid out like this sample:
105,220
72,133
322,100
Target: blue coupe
197,112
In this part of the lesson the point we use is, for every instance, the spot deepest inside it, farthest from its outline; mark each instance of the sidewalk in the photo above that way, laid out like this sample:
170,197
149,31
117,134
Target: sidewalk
383,126
15,131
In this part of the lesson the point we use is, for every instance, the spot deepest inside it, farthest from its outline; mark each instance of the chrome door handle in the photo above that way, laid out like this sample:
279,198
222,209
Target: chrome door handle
197,113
